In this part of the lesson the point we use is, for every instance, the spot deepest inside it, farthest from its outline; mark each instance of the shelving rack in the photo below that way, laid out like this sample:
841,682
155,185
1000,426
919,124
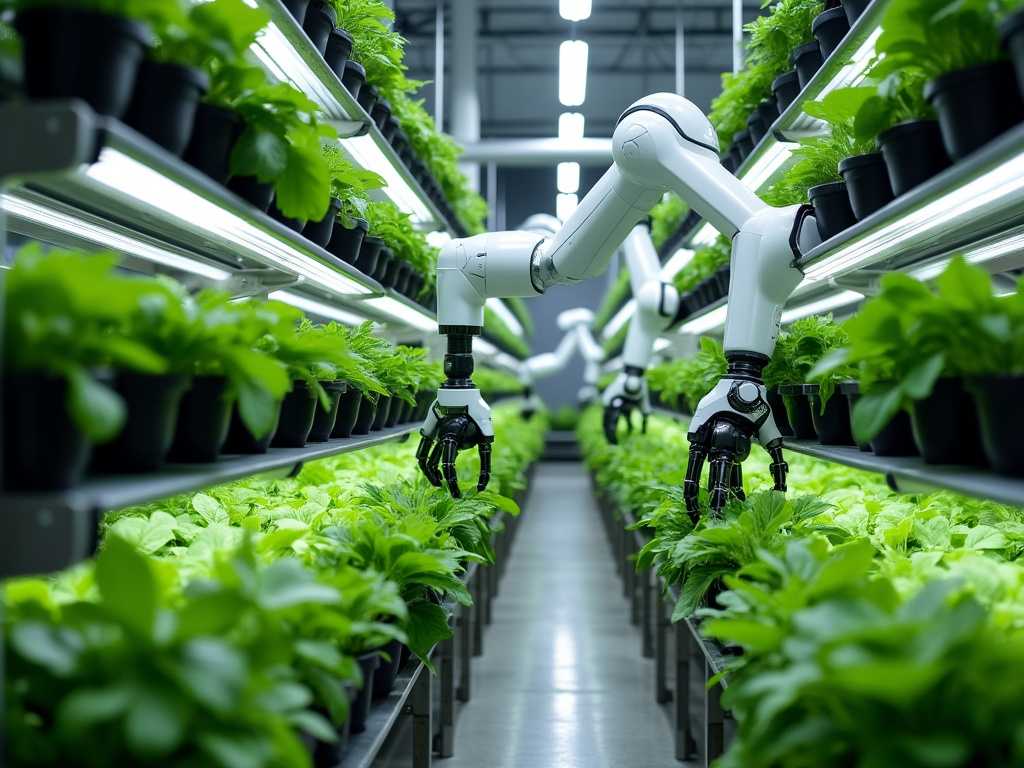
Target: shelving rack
75,179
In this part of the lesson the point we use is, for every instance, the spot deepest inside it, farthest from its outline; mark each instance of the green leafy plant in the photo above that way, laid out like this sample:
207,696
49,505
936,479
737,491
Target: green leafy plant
502,334
666,217
613,300
396,229
206,36
801,348
703,265
688,380
899,98
348,183
908,336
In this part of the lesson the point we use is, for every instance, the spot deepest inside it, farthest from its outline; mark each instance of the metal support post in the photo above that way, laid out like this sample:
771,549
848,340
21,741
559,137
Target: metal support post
422,730
685,746
714,719
663,633
446,673
480,607
649,614
464,630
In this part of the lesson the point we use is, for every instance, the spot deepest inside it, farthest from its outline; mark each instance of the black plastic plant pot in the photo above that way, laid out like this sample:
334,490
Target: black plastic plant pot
829,29
1001,416
896,438
241,440
346,241
367,98
786,88
832,211
1011,30
779,412
391,126
744,145
832,426
416,281
165,101
407,156
798,410
152,405
756,127
214,134
396,412
383,409
867,183
319,232
386,674
769,109
44,449
807,59
384,260
77,54
324,419
913,152
424,400
369,251
204,415
295,225
318,23
728,162
364,418
297,8
945,426
353,78
854,9
360,709
390,278
399,141
297,412
257,193
381,112
339,48
851,391
404,273
348,411
975,105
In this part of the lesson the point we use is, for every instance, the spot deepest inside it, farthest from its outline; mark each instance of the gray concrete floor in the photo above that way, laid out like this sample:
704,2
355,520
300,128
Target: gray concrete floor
561,683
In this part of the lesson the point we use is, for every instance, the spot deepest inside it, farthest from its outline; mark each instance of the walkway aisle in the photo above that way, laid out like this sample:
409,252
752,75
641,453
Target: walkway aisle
561,683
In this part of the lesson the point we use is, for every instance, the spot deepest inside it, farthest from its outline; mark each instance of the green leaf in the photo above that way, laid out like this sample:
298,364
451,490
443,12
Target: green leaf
985,537
156,723
146,534
211,510
260,152
98,410
127,585
873,411
46,646
426,626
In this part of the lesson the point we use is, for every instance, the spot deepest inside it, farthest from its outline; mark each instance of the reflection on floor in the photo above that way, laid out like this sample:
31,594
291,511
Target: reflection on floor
561,683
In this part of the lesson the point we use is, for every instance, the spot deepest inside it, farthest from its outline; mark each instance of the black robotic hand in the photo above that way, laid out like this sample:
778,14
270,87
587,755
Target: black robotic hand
721,432
464,422
628,393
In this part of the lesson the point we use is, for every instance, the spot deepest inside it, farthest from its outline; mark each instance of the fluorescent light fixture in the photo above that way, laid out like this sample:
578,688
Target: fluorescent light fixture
1002,245
679,260
820,306
572,72
365,153
1003,182
570,126
661,344
438,238
17,207
620,319
565,205
484,347
774,157
707,322
505,315
574,10
139,181
568,178
316,307
403,313
705,235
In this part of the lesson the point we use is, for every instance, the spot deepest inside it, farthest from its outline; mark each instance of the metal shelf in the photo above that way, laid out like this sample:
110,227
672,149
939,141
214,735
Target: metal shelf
50,530
912,475
285,51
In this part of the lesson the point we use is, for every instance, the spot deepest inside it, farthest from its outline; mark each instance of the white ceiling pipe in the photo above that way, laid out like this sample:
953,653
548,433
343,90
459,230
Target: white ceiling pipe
539,151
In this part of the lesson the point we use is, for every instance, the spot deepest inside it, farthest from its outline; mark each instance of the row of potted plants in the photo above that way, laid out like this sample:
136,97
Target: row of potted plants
817,599
941,88
142,372
252,624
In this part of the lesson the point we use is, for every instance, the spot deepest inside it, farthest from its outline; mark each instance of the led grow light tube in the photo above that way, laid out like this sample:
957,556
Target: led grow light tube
707,322
620,319
316,307
367,155
679,260
505,315
403,313
774,157
704,236
18,207
118,171
1004,181
820,306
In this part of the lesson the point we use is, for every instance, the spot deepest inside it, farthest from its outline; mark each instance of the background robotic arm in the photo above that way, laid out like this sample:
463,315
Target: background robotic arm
661,142
576,324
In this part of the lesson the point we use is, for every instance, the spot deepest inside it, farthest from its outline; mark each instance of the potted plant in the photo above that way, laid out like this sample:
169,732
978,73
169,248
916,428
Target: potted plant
914,348
971,84
174,76
318,23
64,319
349,188
85,49
829,28
903,126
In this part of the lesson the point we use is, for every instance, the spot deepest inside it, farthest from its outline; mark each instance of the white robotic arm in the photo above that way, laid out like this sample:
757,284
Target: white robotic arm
657,304
661,142
575,324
